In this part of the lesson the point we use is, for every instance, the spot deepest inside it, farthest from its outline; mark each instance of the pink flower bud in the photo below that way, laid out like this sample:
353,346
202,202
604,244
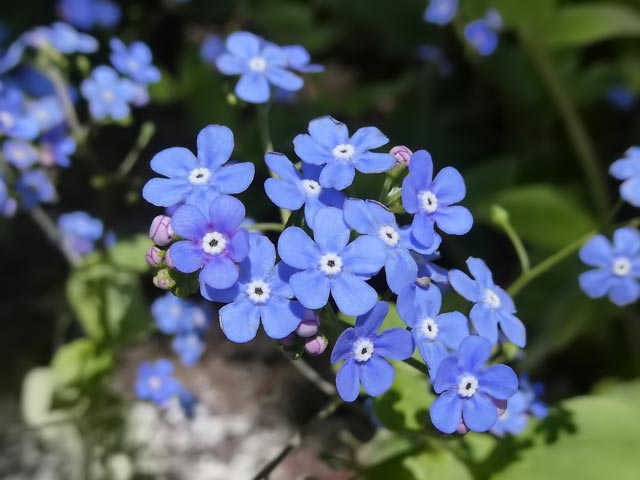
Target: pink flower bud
155,256
402,154
163,280
309,325
316,345
161,232
462,428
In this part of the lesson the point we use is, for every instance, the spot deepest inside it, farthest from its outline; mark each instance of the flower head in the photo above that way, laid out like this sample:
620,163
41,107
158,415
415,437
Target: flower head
441,12
56,147
189,347
47,112
331,264
19,153
189,175
155,382
61,37
211,48
365,353
79,231
86,14
14,121
298,58
328,143
429,276
628,170
173,315
524,403
482,37
134,61
493,306
108,94
35,187
467,390
618,266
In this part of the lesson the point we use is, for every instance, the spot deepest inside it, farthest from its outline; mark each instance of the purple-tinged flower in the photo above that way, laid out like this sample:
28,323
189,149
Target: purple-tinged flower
298,58
468,391
434,333
309,325
214,243
61,37
621,97
108,94
493,306
316,345
430,276
34,188
440,12
436,55
262,294
331,264
524,403
328,143
134,61
258,65
211,48
481,37
618,266
365,354
433,200
11,57
294,188
189,175
155,382
402,154
47,112
86,14
163,279
189,347
79,231
628,170
13,120
372,219
56,147
160,231
19,153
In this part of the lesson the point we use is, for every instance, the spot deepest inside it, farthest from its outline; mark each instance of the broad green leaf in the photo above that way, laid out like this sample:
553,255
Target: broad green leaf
524,14
439,463
78,362
37,396
129,253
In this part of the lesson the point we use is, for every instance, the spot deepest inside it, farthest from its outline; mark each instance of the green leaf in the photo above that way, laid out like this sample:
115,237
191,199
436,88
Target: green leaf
584,24
439,463
78,362
37,396
544,216
129,253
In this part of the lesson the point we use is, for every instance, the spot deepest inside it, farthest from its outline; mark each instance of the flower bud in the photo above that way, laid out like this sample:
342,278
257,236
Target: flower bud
402,154
462,428
155,256
169,261
163,280
161,232
309,325
316,345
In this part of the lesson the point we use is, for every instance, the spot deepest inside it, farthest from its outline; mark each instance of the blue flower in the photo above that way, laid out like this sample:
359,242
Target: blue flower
432,200
189,175
258,65
19,153
434,53
373,219
429,276
79,231
134,61
524,403
215,243
441,12
434,333
294,189
61,37
47,112
85,14
298,58
365,354
108,94
494,19
481,37
468,391
493,306
35,187
211,48
261,294
57,146
189,347
628,169
173,315
155,382
621,97
13,121
618,266
329,265
329,144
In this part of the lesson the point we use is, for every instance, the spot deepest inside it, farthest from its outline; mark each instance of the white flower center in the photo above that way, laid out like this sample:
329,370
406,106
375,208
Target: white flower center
108,96
155,382
132,64
214,243
7,119
199,319
176,311
467,385
491,299
423,281
429,328
389,235
344,151
258,64
621,266
199,176
362,349
428,201
258,291
330,264
311,188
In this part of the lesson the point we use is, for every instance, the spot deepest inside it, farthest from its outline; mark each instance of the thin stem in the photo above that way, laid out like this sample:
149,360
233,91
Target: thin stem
266,227
63,94
144,137
384,193
50,229
578,135
313,376
500,218
263,126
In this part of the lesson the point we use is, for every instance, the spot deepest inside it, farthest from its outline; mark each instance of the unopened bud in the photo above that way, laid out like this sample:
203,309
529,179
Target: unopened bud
163,280
402,154
462,428
161,231
155,256
309,325
316,345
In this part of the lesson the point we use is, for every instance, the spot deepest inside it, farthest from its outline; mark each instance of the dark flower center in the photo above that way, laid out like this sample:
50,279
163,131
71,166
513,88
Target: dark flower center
213,243
331,263
363,351
468,386
258,291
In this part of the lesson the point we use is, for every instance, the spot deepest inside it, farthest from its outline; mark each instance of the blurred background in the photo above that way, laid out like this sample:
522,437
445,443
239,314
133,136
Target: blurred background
531,127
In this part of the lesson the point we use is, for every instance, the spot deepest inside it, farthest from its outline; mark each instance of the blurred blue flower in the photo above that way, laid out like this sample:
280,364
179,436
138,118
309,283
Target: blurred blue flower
524,403
134,61
298,58
188,403
621,97
7,204
435,54
61,37
80,231
329,144
174,315
467,390
108,94
261,294
494,19
618,266
19,153
86,14
47,112
258,65
155,382
432,200
493,306
56,147
331,264
365,354
440,12
628,170
293,188
34,188
211,48
13,119
481,37
189,347
189,176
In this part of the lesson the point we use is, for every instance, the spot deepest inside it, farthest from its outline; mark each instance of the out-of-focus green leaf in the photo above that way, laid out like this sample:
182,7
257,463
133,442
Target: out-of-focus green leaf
37,396
78,362
439,463
527,14
129,253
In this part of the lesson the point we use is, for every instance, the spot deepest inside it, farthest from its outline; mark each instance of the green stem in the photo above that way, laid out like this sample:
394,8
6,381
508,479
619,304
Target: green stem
62,92
578,135
266,227
500,218
384,193
40,218
144,137
263,126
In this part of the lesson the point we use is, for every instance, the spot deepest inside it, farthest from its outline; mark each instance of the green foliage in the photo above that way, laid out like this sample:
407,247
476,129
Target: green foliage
129,253
79,362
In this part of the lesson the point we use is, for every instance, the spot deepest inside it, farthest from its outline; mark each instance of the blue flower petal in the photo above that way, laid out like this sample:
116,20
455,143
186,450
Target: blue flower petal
215,144
473,353
394,343
372,162
596,252
595,283
432,353
446,375
422,229
282,166
187,256
499,381
376,375
310,150
174,162
331,233
231,64
364,256
448,186
421,169
453,327
328,132
353,295
455,220
188,222
244,44
400,269
226,213
625,291
338,175
479,413
630,191
297,249
284,79
358,215
280,317
626,241
513,328
368,138
343,345
480,272
311,288
485,322
253,88
238,246
370,322
348,381
446,412
465,286
219,272
284,194
233,179
240,320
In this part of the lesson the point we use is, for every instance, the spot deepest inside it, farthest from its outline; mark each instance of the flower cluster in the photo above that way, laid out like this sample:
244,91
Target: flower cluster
520,407
80,231
155,383
88,14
